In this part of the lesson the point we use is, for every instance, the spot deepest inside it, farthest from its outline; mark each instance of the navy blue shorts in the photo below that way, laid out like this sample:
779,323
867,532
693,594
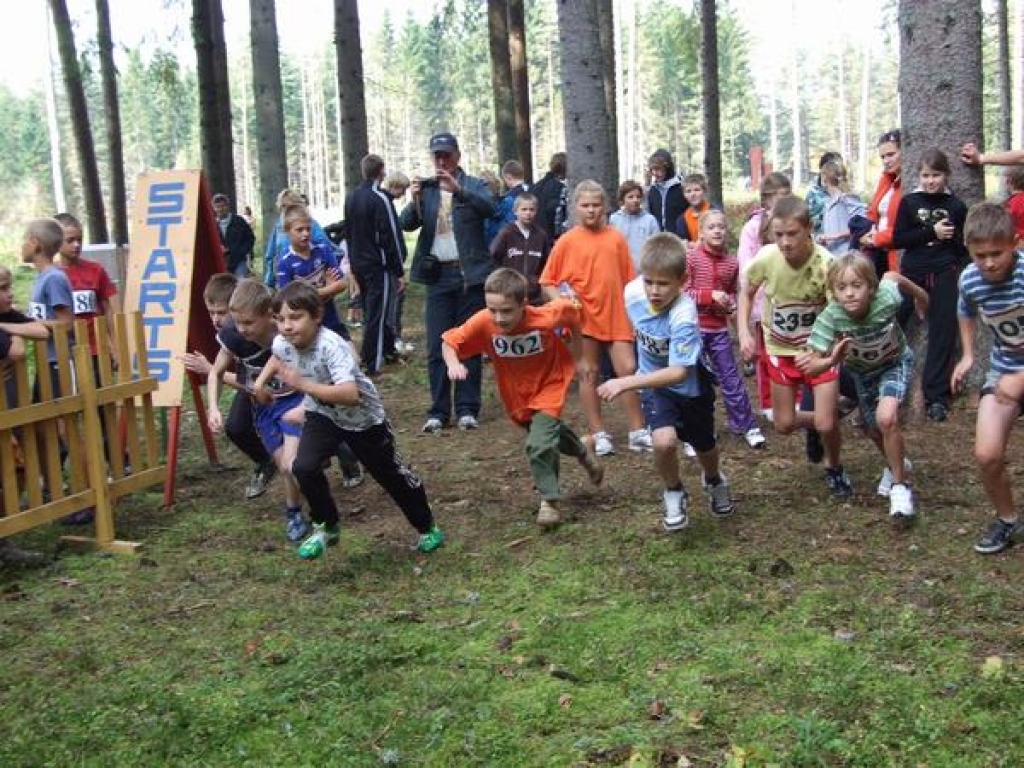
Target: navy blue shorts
270,424
692,417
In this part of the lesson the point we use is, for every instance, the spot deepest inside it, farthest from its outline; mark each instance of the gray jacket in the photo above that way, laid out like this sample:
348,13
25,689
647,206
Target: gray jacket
471,207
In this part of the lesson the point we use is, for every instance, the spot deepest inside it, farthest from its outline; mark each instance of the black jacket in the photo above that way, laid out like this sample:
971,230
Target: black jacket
238,239
551,195
375,239
914,231
667,207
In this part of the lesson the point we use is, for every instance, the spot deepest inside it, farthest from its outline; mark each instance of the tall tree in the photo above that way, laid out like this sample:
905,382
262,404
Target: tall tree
266,86
354,142
606,35
97,222
214,95
940,48
112,106
1003,74
710,99
520,83
501,80
589,126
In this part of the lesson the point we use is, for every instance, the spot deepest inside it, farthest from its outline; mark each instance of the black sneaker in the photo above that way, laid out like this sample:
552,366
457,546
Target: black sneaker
838,483
938,412
997,538
815,450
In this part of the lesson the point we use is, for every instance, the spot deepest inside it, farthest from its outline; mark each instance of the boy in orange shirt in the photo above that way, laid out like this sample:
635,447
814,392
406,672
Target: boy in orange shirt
591,261
533,368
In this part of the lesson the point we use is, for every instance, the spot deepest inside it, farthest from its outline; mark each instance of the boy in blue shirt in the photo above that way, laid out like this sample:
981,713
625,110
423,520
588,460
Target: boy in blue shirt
676,393
992,291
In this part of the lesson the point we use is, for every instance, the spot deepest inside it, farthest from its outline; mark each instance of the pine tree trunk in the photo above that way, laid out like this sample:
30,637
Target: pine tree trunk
354,142
862,133
1003,74
942,38
520,83
794,111
606,28
53,128
710,99
105,44
501,81
95,217
266,86
214,96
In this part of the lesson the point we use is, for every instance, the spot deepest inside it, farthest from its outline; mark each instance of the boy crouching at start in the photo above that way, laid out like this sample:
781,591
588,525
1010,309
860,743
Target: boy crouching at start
676,390
342,405
534,369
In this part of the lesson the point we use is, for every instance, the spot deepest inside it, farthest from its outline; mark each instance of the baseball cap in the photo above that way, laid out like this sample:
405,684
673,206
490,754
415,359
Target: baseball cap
443,142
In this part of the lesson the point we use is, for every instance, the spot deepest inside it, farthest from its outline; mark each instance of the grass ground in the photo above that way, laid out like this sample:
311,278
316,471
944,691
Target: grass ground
798,633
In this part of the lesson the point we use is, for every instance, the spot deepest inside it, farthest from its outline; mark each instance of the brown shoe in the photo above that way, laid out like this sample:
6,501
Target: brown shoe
594,470
547,515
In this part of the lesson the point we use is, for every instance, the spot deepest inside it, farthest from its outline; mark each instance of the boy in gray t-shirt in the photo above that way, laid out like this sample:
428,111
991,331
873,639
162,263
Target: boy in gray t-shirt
342,405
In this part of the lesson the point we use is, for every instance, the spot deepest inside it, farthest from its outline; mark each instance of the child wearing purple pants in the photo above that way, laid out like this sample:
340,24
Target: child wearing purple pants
713,274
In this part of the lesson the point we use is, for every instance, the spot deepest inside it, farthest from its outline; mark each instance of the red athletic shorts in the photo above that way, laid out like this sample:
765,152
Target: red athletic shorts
782,370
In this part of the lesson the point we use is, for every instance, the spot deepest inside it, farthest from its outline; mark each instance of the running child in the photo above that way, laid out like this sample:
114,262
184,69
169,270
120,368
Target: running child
756,234
522,245
859,329
239,426
635,224
794,274
712,278
534,369
342,406
245,340
929,226
992,291
592,262
678,398
695,190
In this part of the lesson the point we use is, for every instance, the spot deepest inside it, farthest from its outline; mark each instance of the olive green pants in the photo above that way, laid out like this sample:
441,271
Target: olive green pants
546,438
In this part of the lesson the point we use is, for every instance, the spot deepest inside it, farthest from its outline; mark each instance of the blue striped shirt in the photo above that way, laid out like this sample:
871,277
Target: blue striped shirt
1000,306
667,338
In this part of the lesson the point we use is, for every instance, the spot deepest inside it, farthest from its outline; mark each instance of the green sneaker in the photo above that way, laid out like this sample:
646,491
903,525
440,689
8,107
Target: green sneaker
430,540
322,538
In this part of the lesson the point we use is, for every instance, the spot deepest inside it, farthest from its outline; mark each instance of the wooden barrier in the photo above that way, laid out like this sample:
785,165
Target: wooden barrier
118,407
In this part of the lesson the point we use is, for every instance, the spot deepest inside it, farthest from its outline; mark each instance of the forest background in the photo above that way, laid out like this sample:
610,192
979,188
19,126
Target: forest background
820,72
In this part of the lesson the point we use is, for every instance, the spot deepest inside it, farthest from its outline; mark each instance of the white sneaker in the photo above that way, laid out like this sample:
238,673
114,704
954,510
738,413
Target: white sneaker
676,503
688,451
468,422
603,444
769,414
432,426
885,482
901,501
754,438
640,440
722,504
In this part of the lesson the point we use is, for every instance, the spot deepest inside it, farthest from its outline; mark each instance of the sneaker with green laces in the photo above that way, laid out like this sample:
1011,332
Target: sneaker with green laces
430,541
323,536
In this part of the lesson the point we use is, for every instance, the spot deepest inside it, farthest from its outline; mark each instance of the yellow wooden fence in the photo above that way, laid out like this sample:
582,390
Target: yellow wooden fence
118,405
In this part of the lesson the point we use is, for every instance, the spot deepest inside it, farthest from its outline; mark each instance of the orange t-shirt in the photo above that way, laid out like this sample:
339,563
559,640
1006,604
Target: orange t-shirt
597,266
532,365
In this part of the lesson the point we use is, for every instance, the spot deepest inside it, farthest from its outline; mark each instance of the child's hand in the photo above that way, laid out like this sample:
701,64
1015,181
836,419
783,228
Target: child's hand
804,361
215,420
723,301
944,230
262,395
921,306
748,348
956,381
969,154
610,390
458,372
196,362
286,374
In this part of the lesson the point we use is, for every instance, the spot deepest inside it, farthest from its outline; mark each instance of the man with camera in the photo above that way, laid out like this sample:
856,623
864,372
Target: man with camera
451,259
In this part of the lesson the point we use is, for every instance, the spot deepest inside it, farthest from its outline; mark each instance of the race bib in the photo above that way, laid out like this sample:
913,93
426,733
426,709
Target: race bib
83,302
653,345
791,323
524,345
874,349
1008,327
37,310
